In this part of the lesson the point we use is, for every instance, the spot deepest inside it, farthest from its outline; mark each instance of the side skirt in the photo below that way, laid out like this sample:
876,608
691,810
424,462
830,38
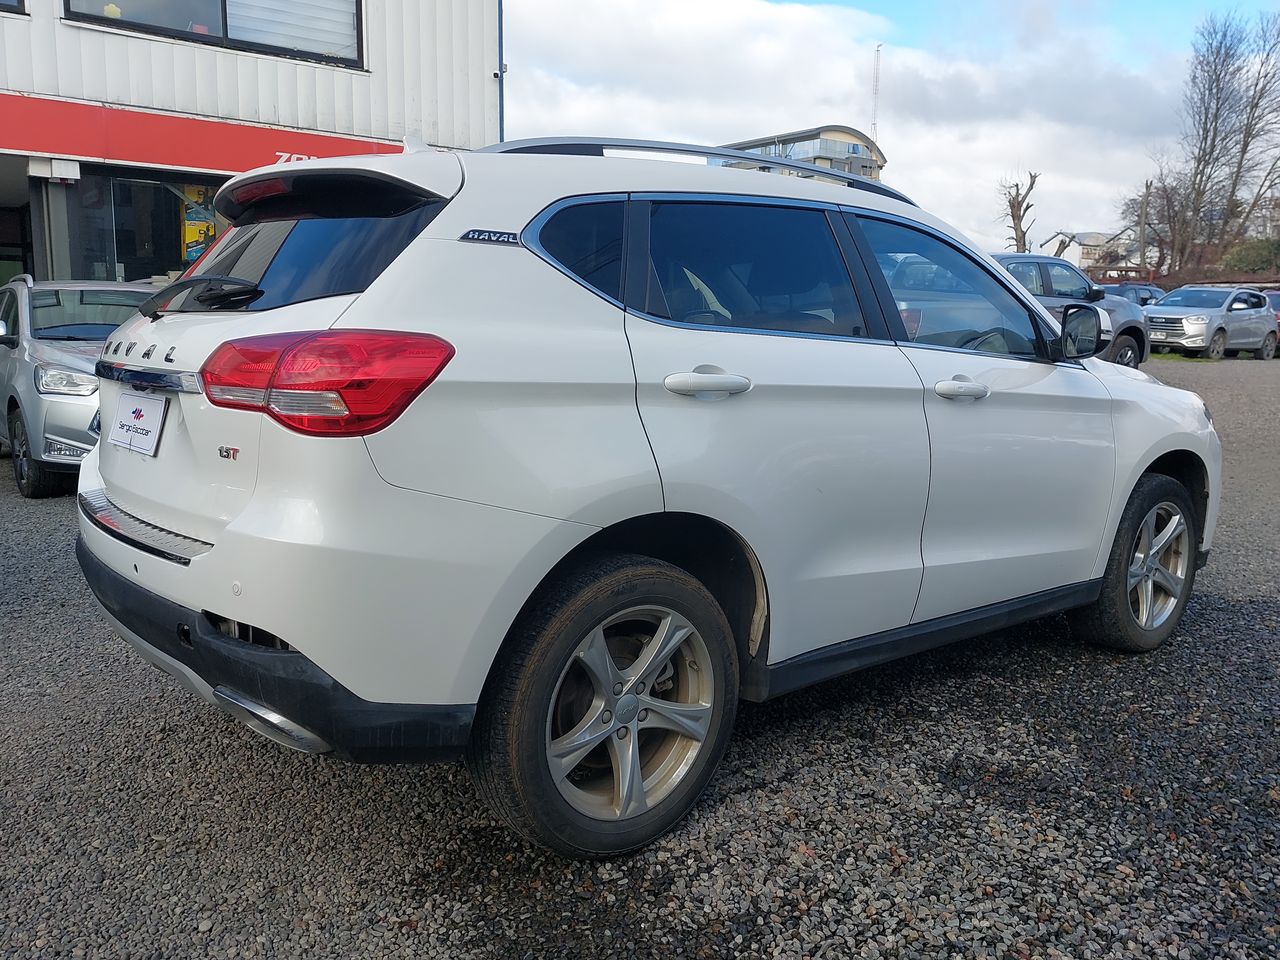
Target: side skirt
773,680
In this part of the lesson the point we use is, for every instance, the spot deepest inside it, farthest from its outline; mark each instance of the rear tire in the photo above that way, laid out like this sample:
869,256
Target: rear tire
35,480
609,708
1150,573
1125,352
1268,349
1217,346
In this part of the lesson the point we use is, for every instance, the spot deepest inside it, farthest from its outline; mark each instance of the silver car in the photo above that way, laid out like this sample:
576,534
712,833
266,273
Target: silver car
1214,322
50,337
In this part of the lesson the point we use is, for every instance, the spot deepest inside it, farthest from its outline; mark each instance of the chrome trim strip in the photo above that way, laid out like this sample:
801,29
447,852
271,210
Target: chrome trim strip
147,537
184,381
596,146
758,331
272,725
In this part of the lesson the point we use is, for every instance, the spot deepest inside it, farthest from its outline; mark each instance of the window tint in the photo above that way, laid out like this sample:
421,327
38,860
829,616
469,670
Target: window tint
1066,282
1027,274
1256,301
742,265
9,312
82,314
307,245
586,239
962,306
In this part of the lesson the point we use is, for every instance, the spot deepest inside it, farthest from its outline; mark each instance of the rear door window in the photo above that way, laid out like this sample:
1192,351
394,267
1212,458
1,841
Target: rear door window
1067,282
1027,273
329,236
750,267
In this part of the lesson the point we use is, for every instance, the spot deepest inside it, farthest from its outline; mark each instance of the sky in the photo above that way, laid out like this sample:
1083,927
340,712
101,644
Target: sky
971,92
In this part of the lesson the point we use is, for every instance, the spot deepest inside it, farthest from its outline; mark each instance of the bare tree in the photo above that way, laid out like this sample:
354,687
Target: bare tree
1017,205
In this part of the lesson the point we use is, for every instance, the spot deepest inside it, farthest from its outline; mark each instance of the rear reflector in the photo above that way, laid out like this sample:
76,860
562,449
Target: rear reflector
337,383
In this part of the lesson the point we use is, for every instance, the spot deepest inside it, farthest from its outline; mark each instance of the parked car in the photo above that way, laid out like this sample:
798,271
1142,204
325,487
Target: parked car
50,336
1139,293
1056,283
1214,322
548,470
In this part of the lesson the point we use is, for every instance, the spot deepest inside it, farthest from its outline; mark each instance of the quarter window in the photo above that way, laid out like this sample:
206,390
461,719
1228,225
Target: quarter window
586,239
319,29
945,298
749,266
1027,273
1066,282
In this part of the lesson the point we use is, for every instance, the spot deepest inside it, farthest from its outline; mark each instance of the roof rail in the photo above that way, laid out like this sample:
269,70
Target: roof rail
25,278
596,146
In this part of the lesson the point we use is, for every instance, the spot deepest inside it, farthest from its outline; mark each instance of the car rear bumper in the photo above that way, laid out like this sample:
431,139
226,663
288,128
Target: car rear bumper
279,693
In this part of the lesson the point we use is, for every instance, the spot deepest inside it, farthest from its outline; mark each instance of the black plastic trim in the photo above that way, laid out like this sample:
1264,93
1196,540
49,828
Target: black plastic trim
841,658
284,680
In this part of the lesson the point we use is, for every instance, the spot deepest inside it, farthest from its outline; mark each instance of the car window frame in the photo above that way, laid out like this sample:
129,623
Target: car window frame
635,276
530,237
1036,312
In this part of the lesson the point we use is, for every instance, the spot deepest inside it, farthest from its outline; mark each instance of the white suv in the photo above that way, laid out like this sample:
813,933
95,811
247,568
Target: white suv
545,460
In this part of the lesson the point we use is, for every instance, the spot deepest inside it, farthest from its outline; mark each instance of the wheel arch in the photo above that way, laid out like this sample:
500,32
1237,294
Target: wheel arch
713,553
1186,467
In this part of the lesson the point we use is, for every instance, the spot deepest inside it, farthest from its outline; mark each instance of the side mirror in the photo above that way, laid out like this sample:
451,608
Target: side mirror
1095,294
6,338
1239,305
1081,332
1143,301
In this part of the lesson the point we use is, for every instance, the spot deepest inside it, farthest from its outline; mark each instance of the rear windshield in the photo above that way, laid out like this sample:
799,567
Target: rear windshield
81,314
335,239
1194,298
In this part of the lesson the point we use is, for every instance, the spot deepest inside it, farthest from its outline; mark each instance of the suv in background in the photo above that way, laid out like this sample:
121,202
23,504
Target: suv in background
546,460
1056,282
1139,293
1215,321
50,335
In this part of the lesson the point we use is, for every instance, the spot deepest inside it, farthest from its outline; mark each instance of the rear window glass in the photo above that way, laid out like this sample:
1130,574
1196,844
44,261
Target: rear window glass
322,244
586,239
81,314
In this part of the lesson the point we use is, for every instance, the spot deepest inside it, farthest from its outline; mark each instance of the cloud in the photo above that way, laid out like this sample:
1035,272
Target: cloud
1038,91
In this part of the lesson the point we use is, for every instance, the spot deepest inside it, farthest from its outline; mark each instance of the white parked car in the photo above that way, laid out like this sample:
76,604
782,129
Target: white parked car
546,460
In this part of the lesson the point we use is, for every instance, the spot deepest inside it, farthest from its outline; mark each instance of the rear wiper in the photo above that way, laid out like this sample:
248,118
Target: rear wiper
224,290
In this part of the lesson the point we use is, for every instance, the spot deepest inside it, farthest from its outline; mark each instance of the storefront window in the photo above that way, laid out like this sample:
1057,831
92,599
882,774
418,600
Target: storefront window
321,29
133,229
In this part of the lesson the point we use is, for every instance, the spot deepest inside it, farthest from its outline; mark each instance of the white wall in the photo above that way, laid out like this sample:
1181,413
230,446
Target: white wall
429,68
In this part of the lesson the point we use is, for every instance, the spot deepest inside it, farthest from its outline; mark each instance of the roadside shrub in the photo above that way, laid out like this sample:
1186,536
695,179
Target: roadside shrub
1254,256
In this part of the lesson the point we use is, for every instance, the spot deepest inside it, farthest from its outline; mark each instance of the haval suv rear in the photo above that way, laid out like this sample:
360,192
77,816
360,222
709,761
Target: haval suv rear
547,460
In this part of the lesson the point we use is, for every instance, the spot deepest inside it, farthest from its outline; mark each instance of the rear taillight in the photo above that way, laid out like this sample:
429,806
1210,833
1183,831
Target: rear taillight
337,383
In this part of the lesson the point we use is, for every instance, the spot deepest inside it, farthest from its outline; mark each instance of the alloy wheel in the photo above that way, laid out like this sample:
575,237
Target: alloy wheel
21,452
630,713
1268,350
1160,561
1127,357
1218,346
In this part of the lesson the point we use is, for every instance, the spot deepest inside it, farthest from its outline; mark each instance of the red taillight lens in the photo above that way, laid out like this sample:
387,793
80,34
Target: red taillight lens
341,383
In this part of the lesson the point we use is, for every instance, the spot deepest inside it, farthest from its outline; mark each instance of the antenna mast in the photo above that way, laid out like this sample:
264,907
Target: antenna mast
875,95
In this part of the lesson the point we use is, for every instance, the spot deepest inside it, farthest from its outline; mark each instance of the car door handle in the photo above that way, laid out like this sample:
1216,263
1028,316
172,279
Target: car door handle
961,390
693,383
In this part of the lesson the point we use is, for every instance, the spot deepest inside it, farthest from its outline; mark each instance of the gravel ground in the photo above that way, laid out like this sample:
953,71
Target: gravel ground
1017,796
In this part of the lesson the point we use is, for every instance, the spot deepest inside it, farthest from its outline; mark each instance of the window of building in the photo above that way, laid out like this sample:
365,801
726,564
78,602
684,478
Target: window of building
327,30
586,239
947,299
132,229
13,6
749,266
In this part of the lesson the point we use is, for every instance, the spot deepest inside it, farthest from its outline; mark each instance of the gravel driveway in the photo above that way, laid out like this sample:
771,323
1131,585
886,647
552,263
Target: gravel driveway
1017,796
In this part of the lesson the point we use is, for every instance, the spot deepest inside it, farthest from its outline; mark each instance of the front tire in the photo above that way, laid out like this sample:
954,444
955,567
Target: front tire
609,709
1217,347
35,480
1126,353
1150,573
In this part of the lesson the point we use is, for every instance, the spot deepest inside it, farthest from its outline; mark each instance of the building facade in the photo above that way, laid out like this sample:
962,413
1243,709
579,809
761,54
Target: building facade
120,118
833,146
